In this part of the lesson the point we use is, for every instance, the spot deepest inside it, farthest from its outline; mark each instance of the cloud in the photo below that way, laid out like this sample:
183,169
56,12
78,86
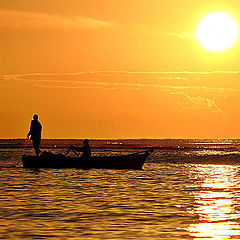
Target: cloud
199,102
217,81
184,35
200,94
155,31
21,19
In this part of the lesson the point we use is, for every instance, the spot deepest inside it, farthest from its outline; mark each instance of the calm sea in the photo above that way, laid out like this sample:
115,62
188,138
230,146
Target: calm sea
164,201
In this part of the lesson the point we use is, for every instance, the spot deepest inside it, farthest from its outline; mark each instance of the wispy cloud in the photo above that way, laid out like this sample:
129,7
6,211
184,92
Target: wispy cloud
23,19
209,80
199,102
193,90
155,31
212,82
183,35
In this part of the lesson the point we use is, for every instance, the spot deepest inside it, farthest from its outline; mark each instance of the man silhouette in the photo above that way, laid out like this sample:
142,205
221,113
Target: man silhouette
35,133
86,150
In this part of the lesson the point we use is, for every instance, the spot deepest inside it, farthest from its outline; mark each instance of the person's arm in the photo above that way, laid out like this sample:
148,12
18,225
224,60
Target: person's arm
79,149
30,131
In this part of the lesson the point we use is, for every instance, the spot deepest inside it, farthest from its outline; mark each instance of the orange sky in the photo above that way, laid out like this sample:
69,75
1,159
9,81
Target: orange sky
116,69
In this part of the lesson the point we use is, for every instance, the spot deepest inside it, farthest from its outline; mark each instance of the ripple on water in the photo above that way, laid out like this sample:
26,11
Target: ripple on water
162,202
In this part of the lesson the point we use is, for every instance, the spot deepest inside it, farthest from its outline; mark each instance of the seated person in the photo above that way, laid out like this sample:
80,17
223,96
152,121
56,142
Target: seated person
86,149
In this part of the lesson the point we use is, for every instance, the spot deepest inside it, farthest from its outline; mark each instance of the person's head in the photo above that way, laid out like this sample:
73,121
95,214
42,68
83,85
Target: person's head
85,141
35,117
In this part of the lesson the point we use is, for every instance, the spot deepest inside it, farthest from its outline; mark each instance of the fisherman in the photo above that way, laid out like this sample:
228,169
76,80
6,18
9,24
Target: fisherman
35,133
86,150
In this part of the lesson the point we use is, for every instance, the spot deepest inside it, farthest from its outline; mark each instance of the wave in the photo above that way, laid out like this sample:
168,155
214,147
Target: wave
218,159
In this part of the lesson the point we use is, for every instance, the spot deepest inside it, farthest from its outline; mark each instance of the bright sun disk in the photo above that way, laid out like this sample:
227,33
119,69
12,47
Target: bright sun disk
217,31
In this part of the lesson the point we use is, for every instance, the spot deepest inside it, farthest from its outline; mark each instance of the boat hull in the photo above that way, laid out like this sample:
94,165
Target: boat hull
130,161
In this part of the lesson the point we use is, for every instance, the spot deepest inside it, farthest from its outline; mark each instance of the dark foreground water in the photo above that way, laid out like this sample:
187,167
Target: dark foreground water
164,201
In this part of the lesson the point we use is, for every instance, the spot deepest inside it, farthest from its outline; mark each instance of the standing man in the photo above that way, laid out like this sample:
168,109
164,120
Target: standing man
35,133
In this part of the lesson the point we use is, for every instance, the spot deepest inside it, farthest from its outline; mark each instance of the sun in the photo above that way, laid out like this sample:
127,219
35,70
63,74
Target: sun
217,31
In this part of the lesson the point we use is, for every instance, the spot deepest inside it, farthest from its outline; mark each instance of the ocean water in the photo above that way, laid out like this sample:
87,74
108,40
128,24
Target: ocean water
163,201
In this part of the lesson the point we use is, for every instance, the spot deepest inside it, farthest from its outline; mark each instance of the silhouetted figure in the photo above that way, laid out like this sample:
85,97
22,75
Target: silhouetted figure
86,150
35,133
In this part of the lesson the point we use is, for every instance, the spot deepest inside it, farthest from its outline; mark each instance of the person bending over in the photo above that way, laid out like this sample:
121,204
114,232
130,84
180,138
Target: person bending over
86,149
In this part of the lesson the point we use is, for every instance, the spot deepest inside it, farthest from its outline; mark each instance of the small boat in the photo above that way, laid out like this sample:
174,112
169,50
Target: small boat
50,160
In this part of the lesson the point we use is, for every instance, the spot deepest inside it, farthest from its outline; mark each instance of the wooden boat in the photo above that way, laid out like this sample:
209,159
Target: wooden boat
50,160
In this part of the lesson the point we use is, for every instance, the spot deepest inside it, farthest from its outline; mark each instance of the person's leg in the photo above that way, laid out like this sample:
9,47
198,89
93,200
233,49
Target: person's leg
36,144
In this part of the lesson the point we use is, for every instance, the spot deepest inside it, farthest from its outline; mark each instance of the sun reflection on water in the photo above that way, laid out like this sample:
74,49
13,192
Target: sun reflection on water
217,202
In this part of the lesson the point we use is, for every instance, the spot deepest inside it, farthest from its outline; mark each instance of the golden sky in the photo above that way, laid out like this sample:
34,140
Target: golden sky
116,69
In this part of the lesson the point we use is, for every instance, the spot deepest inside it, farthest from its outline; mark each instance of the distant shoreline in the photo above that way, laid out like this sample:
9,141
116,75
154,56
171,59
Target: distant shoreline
161,144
